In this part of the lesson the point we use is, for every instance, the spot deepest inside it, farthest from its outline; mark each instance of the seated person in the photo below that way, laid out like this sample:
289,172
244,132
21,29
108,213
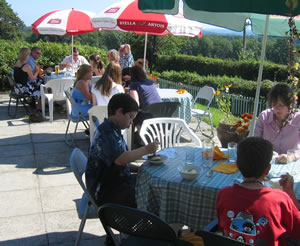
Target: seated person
258,212
126,71
108,176
97,65
142,89
108,85
126,58
78,60
27,81
82,90
113,56
272,125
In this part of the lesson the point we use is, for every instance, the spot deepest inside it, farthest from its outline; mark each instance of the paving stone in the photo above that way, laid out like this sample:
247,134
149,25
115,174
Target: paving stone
60,198
52,148
62,179
15,163
16,150
23,230
84,242
22,180
21,202
66,225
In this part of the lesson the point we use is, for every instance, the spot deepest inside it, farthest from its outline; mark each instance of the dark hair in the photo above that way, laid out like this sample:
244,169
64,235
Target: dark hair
253,156
97,60
35,48
75,49
124,101
137,74
280,91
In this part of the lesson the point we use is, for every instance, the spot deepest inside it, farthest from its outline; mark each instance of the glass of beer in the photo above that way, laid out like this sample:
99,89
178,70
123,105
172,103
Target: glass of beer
56,69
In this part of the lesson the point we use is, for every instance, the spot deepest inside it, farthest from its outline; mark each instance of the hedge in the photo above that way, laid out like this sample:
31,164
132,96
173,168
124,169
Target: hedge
239,86
205,66
52,54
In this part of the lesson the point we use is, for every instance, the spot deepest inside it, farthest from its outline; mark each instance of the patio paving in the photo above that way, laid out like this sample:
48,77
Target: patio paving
38,191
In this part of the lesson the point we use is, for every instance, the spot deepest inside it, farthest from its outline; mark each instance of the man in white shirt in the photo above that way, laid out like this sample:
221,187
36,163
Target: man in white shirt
77,60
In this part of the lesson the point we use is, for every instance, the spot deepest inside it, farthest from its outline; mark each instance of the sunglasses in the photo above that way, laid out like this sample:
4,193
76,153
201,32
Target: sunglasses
38,53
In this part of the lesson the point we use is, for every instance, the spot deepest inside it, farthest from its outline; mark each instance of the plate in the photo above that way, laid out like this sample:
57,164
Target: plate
162,159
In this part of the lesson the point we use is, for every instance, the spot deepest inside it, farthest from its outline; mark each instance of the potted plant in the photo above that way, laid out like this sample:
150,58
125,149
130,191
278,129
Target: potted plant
225,130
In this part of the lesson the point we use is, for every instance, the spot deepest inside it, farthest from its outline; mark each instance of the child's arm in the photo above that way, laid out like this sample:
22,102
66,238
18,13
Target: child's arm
287,184
135,154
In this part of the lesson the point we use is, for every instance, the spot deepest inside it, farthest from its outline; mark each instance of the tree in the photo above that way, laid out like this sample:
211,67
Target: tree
10,24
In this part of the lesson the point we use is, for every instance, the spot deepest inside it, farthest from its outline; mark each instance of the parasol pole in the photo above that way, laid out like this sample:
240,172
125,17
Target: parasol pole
261,67
72,54
145,50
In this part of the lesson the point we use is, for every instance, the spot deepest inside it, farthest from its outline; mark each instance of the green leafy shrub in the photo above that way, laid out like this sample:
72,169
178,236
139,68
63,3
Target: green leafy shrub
207,66
239,86
52,54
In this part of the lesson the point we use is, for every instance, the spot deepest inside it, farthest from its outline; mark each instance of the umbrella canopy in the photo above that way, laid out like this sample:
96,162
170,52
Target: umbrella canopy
125,16
61,22
256,10
269,7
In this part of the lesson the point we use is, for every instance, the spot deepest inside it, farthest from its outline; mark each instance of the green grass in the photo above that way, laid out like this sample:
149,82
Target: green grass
217,115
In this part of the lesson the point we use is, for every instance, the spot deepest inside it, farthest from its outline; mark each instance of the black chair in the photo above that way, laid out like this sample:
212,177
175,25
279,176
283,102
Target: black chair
142,227
19,97
162,109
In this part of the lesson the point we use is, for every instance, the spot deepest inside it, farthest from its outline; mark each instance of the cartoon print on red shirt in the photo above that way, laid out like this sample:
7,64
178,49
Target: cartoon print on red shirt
243,228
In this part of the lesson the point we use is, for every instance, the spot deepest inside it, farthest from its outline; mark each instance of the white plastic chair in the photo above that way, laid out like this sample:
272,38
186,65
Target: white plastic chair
206,93
75,119
168,131
57,86
88,207
99,113
95,79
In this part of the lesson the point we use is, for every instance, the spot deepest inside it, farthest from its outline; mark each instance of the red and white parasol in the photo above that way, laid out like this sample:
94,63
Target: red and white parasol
61,22
125,16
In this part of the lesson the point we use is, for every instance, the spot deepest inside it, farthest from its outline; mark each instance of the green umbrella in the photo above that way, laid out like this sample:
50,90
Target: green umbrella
233,14
277,7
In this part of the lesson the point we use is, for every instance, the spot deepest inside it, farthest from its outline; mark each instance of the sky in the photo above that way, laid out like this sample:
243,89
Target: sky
30,10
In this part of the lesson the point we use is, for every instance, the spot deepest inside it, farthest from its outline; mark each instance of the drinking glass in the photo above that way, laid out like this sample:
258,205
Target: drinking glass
232,152
208,153
189,156
57,69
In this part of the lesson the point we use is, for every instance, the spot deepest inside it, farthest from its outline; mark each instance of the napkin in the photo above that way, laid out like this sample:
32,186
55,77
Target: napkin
219,155
181,91
223,167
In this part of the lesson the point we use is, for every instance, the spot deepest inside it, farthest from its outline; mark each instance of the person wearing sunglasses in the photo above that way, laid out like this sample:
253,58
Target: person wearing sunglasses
78,60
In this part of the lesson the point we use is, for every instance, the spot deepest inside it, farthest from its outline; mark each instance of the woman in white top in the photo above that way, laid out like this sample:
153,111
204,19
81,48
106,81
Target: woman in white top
107,86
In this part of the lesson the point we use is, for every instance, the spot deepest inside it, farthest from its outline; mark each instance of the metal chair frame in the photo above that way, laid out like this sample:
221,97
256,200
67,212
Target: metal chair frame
79,118
88,207
17,97
207,93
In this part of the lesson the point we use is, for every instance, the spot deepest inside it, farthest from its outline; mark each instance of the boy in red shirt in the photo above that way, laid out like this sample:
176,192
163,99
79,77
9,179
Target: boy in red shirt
249,211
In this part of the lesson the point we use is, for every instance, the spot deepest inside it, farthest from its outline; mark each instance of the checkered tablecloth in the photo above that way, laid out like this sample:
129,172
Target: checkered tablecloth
170,95
161,190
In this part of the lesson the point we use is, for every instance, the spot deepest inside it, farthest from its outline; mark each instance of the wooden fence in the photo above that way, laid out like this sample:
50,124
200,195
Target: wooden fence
239,104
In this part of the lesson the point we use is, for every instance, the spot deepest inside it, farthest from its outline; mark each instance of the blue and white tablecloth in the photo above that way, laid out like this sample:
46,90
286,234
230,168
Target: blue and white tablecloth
170,95
161,190
58,76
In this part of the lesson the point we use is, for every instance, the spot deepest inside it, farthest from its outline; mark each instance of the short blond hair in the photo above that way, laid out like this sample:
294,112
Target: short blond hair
24,54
